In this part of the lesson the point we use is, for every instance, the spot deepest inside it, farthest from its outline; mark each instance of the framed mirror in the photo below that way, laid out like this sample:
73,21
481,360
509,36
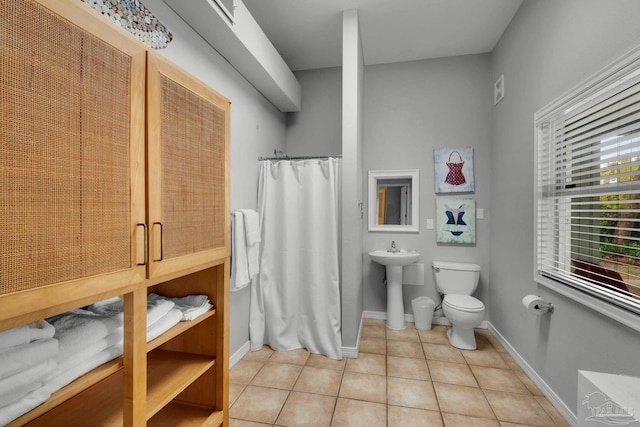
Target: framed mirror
393,200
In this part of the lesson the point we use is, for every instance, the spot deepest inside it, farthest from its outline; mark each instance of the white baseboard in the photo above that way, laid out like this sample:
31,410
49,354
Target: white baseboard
437,320
379,315
238,355
548,392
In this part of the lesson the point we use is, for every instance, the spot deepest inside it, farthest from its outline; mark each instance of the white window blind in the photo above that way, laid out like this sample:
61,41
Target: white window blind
588,187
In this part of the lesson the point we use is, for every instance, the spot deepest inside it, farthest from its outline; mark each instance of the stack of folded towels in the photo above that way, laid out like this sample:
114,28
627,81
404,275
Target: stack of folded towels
87,340
28,354
162,312
41,358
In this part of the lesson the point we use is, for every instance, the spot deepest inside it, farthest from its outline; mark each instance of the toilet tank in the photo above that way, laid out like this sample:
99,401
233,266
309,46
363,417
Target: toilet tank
456,277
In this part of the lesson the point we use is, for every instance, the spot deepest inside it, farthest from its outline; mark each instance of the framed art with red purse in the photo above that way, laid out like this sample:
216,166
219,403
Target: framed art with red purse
453,169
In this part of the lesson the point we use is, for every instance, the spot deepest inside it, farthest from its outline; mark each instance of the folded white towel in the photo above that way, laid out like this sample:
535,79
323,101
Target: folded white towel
16,386
25,334
41,330
19,392
163,324
14,337
191,306
89,351
58,379
194,313
78,328
20,407
239,264
251,226
20,358
108,307
157,308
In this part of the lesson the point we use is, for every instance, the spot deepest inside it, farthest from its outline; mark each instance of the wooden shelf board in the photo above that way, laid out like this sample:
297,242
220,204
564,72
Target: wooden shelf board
71,390
20,308
183,415
98,405
177,330
169,373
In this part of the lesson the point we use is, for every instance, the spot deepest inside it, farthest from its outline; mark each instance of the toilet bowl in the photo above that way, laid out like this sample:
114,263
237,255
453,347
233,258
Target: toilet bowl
464,312
457,281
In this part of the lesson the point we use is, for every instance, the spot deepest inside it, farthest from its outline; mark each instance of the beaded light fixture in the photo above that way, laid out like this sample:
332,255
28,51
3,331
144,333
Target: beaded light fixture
134,17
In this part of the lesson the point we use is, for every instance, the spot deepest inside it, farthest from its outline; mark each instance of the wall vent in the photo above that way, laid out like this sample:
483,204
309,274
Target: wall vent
227,8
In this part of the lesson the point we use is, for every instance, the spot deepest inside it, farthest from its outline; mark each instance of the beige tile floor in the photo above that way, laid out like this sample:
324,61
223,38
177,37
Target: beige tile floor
401,378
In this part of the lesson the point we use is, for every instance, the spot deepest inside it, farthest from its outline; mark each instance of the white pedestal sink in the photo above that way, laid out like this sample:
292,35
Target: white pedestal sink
394,262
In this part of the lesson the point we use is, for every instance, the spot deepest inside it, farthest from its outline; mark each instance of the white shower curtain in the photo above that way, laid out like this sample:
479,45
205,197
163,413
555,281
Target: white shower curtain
295,301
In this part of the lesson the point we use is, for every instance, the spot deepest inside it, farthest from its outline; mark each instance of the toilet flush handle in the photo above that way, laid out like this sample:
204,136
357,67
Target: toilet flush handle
436,269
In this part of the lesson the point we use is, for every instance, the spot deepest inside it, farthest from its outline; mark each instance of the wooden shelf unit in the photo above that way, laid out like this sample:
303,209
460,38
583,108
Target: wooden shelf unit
149,245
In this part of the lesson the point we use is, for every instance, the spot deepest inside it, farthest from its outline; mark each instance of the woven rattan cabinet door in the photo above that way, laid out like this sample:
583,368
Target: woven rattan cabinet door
188,151
71,156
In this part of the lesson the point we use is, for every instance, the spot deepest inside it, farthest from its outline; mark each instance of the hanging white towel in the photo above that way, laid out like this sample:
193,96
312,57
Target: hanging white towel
251,226
252,237
239,265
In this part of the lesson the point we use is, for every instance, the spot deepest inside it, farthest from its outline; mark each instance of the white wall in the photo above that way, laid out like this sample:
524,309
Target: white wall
257,127
316,130
549,47
410,109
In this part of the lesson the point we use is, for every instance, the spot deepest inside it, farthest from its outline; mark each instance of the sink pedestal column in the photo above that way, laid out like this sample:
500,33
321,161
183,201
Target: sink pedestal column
395,305
394,261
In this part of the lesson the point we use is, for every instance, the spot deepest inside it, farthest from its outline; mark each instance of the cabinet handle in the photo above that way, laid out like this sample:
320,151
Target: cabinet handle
146,243
161,241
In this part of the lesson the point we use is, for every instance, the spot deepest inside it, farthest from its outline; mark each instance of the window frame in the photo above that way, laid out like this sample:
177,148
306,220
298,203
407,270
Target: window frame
566,286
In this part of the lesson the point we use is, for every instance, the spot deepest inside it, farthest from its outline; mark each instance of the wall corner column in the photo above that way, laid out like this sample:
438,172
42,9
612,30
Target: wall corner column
352,181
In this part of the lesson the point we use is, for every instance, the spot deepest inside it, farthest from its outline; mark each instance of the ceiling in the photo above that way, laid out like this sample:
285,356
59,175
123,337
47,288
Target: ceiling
308,33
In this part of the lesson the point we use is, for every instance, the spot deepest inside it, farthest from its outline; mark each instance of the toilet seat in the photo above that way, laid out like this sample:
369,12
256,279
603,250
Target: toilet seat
464,303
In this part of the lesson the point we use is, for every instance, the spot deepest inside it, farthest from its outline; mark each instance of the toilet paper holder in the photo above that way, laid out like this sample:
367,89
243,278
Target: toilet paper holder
537,304
547,306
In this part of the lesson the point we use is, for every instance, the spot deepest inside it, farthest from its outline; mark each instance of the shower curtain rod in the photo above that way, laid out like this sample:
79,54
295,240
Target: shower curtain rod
281,155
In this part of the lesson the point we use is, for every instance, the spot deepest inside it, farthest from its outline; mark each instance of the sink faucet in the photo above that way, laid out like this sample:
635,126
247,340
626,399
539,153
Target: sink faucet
393,247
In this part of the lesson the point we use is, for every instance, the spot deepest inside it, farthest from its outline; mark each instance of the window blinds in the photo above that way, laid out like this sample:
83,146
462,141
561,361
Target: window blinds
588,189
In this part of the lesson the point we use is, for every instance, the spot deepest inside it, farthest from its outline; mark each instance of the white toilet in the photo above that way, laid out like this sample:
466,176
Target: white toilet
457,281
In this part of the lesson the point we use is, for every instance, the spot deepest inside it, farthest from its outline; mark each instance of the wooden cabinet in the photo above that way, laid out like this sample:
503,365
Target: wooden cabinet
115,181
188,124
72,159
